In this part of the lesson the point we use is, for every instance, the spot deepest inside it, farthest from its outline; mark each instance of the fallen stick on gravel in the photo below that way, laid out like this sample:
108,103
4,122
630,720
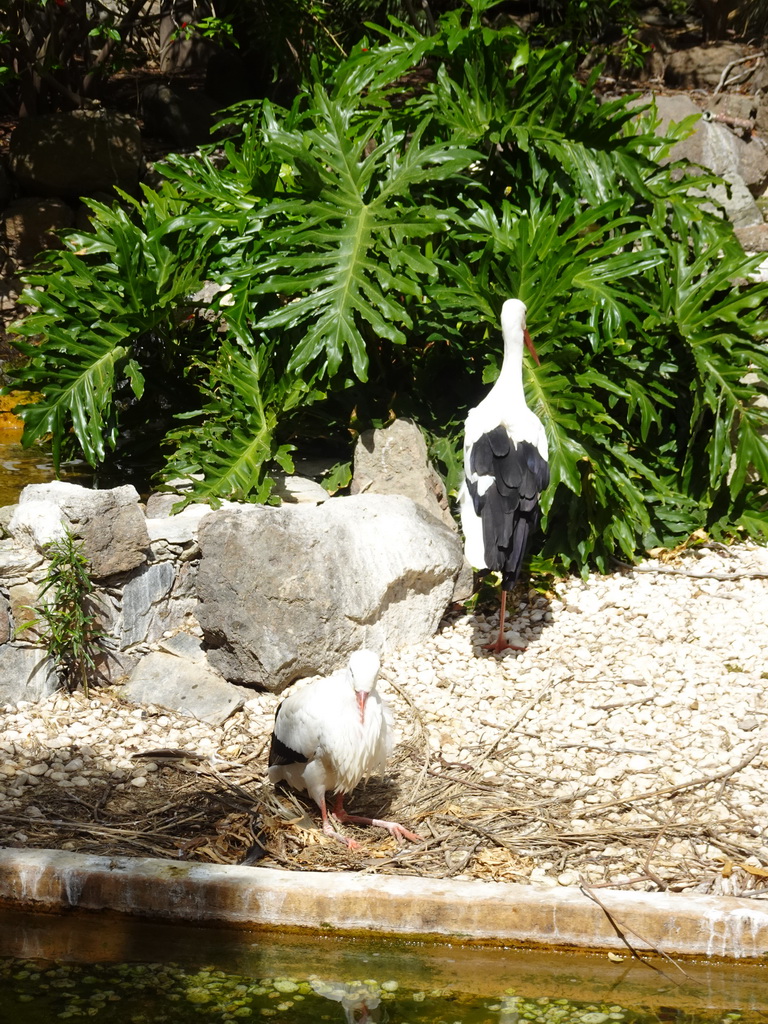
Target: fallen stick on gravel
602,746
648,875
671,790
664,571
625,703
424,735
511,728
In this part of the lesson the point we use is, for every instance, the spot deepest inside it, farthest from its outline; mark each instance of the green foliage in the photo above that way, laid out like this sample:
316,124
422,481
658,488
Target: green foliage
230,447
345,260
109,316
65,622
348,234
598,28
338,477
212,28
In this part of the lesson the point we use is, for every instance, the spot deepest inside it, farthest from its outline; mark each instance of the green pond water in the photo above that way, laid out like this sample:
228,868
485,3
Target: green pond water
21,466
134,993
108,969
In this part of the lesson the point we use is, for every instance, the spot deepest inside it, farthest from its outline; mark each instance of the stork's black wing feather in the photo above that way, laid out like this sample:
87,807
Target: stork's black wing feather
509,509
281,753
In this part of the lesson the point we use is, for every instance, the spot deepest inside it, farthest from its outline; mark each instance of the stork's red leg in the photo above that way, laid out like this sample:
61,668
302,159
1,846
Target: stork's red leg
331,831
394,829
501,643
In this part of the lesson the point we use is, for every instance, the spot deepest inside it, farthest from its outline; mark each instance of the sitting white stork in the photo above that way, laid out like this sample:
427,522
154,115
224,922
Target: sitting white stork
331,734
505,467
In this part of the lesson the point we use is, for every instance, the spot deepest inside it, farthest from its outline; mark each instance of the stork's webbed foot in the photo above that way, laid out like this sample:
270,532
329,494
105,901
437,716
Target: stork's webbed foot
502,644
351,844
394,828
399,832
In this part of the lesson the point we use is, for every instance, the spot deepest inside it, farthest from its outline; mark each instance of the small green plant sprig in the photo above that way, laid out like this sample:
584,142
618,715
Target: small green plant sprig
64,621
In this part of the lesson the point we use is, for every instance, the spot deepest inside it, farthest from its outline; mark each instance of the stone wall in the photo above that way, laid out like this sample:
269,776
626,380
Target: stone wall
385,568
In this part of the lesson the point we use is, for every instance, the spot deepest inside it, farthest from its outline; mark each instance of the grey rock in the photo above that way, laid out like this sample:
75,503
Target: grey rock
700,67
713,147
753,238
77,153
298,489
181,115
114,666
184,645
107,613
185,587
749,147
181,528
16,560
146,610
291,591
6,187
26,674
183,685
6,511
22,599
177,53
748,724
394,460
160,503
733,104
5,620
109,523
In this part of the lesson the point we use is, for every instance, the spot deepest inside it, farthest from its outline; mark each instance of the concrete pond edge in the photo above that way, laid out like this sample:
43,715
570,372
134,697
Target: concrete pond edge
404,906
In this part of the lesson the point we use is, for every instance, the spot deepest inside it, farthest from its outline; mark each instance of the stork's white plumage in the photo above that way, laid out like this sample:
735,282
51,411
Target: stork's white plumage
505,467
357,998
330,735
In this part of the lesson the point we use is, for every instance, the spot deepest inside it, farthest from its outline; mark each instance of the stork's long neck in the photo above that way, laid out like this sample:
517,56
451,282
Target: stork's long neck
510,379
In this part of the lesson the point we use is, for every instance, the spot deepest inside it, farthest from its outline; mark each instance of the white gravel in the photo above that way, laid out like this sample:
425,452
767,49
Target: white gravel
633,690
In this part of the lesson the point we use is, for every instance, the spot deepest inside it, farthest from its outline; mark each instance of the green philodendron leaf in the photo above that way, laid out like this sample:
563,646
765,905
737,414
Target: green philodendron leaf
338,477
228,453
135,376
448,453
343,247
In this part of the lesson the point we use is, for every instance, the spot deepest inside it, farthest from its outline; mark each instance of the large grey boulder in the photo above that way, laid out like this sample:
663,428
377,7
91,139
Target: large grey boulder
394,460
110,523
77,153
291,591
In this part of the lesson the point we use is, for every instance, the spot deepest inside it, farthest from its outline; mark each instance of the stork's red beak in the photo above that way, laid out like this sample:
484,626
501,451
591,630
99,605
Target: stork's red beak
529,346
361,696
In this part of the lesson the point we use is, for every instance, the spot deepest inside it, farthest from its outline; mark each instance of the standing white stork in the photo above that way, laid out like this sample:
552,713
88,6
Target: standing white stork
331,734
505,467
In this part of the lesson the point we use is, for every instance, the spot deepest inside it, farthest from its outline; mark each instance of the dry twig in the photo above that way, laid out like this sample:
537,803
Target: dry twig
619,927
